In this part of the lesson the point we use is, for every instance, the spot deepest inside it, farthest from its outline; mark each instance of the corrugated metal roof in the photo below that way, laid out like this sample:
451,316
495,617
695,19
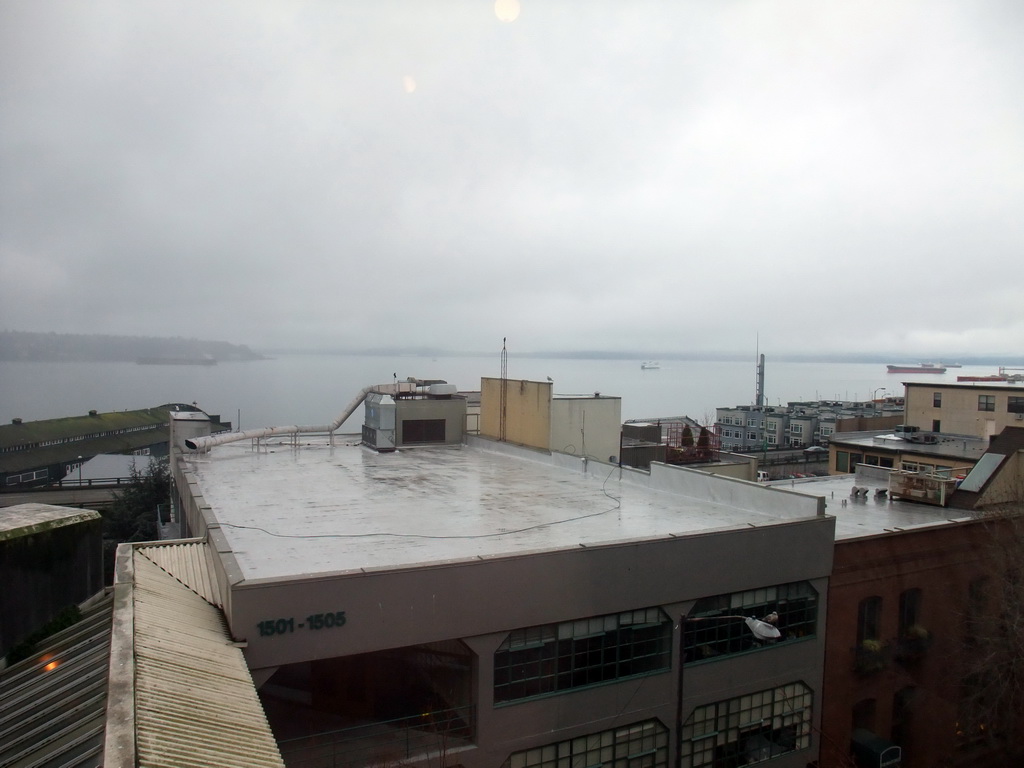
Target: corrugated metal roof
190,563
54,703
195,702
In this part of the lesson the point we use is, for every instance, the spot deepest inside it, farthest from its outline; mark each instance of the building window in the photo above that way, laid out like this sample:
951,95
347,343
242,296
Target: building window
711,629
936,399
902,708
863,714
1015,404
910,608
751,435
574,654
748,729
869,614
643,745
772,426
772,440
936,425
986,402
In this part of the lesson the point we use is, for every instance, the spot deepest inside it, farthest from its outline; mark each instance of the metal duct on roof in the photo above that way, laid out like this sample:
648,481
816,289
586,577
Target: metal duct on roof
433,387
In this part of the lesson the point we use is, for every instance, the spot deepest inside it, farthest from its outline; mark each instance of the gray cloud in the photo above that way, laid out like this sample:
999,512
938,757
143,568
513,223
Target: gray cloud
658,176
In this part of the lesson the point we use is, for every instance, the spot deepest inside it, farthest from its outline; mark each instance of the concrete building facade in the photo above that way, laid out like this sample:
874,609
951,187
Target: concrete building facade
978,409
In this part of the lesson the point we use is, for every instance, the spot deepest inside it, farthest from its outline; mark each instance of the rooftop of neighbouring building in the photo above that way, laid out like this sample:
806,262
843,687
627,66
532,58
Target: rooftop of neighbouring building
27,519
870,513
950,447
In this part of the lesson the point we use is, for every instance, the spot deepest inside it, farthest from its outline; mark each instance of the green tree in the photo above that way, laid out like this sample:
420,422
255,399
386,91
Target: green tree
687,437
132,516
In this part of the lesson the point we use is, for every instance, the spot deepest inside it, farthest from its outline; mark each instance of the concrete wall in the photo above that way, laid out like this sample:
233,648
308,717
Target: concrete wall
46,568
480,601
396,608
959,414
587,426
527,411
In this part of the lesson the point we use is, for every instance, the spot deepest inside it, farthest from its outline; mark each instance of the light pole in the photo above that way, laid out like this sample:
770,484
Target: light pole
79,471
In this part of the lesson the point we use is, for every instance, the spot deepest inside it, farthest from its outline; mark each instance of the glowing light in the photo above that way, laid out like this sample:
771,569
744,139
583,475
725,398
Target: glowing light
409,84
51,666
506,10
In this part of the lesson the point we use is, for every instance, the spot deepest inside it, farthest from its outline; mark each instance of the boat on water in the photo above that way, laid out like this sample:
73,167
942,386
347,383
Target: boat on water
920,368
649,365
206,360
1015,378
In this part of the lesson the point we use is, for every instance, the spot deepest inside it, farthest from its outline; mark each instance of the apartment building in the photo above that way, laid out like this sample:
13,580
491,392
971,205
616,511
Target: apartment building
800,424
977,409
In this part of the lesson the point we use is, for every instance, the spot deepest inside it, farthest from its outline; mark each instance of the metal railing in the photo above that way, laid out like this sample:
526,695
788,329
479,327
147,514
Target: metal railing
383,742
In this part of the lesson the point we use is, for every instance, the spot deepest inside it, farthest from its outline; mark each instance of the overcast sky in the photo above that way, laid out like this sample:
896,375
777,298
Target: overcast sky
824,175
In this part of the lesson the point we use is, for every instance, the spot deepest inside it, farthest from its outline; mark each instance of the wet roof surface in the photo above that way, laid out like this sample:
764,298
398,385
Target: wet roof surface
319,509
870,514
316,509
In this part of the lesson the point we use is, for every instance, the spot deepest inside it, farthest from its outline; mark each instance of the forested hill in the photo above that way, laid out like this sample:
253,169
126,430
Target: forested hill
20,345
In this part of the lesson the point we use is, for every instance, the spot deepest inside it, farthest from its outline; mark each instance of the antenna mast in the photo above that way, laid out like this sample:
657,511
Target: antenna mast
503,400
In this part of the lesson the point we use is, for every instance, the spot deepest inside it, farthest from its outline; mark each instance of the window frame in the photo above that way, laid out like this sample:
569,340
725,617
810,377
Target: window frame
869,619
711,632
719,735
552,659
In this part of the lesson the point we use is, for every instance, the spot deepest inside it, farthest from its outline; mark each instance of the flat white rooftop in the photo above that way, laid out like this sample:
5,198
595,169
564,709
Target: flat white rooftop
315,509
872,514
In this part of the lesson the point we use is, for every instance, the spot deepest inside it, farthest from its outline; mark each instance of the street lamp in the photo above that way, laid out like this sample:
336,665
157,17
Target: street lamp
79,471
762,629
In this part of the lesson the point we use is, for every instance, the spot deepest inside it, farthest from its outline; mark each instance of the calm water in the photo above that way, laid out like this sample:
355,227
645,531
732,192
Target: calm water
314,389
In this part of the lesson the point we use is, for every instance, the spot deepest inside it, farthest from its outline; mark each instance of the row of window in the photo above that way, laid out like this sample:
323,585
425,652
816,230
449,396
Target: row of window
77,438
574,654
553,658
28,477
748,729
869,615
736,433
744,730
1014,404
641,745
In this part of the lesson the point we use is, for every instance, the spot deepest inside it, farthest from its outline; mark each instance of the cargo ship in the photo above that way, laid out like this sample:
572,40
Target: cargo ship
921,368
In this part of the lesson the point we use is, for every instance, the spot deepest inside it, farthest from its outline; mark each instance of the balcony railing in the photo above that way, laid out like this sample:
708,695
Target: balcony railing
384,743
